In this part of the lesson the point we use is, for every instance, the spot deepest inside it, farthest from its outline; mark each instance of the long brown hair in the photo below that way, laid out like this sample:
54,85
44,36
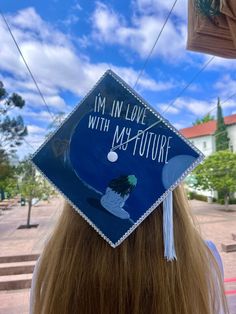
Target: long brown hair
80,273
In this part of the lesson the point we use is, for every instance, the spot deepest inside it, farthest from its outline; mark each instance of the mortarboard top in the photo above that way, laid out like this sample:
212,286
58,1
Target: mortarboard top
110,171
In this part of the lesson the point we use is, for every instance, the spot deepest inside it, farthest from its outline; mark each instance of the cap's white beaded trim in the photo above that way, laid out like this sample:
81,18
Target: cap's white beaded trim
161,199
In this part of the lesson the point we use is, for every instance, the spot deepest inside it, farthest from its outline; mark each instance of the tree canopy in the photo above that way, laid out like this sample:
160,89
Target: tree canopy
221,135
12,129
205,119
32,185
217,172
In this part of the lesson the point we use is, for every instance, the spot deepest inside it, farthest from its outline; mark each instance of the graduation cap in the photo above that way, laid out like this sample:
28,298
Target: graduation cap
115,159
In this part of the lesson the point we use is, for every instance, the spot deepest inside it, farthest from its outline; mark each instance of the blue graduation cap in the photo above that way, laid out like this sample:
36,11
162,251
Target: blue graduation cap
115,159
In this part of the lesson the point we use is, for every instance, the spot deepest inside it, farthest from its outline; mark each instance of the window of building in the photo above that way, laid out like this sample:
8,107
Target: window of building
204,144
231,148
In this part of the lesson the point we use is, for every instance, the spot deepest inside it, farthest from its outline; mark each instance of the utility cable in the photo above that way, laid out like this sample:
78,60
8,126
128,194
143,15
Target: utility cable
189,83
27,66
167,108
154,45
221,103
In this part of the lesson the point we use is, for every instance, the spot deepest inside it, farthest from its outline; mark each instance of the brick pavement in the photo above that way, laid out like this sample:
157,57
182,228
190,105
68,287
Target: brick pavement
24,241
14,302
217,225
214,223
15,241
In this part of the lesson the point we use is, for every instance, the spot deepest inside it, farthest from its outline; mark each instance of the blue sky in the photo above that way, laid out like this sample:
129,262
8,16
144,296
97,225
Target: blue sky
70,44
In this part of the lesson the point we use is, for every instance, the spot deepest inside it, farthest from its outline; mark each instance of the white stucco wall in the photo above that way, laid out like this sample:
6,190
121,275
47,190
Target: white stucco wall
205,144
232,135
209,147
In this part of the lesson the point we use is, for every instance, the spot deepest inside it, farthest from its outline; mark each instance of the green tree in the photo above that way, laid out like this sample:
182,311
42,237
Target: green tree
205,119
218,172
31,185
6,173
12,129
221,135
4,165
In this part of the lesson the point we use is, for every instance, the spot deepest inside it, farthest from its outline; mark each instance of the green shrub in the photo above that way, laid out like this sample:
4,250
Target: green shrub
195,196
201,197
221,201
232,201
190,195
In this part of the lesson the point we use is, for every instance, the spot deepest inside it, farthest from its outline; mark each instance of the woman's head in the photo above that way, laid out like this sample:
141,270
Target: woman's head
80,273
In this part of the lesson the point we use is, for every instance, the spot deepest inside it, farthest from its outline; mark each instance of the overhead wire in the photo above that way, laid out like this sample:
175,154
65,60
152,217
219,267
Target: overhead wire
180,93
168,107
28,143
139,75
228,98
30,73
34,80
151,52
189,84
221,103
155,43
136,82
26,64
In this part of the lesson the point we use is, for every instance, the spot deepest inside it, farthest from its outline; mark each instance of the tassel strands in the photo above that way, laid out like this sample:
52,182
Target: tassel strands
168,228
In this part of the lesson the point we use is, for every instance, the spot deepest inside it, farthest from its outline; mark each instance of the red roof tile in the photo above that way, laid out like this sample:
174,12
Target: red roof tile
230,119
207,128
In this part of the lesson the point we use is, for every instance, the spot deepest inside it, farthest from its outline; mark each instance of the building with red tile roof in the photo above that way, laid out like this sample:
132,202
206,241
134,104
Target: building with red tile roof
203,135
207,128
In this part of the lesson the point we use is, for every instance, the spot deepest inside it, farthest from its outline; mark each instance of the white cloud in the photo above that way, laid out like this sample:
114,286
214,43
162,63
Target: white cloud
159,7
20,85
34,27
146,83
77,6
226,86
111,28
55,63
166,109
179,126
53,101
222,64
58,67
34,129
73,16
229,104
106,21
201,107
31,144
195,106
71,19
42,117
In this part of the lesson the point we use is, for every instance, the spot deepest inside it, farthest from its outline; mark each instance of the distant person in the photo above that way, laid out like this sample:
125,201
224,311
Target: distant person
79,272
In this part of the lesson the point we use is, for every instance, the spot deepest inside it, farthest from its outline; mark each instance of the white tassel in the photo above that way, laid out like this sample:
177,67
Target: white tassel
168,228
